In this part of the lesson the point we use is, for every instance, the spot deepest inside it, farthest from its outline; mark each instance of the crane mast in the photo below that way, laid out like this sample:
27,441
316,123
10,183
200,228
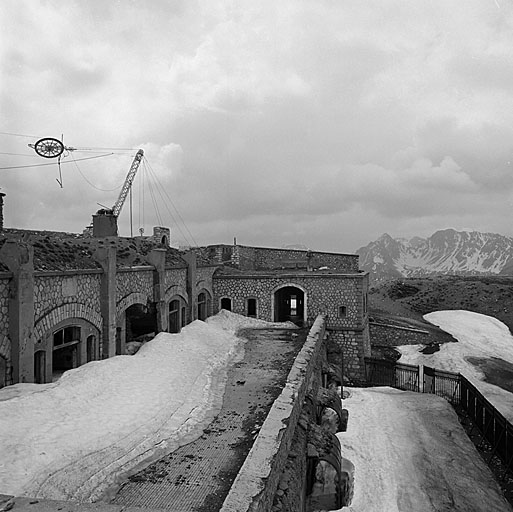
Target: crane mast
105,222
116,209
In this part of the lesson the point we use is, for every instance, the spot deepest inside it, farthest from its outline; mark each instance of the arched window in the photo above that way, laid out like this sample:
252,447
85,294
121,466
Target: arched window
174,316
66,353
226,303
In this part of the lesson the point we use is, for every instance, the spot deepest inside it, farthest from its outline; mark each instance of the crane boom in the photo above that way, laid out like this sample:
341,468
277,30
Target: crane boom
116,209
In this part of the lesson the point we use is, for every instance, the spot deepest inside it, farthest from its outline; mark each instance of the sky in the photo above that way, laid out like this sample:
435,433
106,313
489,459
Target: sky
318,123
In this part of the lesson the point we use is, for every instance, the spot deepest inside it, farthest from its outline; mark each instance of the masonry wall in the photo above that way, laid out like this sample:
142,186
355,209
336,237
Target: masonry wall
5,342
139,280
258,258
325,294
393,336
52,290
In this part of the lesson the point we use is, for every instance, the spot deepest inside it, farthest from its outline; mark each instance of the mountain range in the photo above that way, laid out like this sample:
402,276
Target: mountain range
445,252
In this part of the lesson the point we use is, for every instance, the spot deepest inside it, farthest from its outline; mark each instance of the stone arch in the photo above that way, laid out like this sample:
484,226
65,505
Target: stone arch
51,354
289,284
176,290
130,300
66,312
203,285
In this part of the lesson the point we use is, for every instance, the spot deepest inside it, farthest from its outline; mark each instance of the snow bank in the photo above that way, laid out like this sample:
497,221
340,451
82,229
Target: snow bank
71,439
411,454
479,336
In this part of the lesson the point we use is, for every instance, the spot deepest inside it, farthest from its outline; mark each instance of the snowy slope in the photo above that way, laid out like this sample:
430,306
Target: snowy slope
445,252
479,336
71,439
410,454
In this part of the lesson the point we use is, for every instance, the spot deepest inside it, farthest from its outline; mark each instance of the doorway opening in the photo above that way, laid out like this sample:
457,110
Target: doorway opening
289,305
141,322
226,303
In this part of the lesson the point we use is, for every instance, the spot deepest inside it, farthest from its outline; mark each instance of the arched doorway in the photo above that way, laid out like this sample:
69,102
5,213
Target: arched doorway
177,314
66,350
289,304
140,323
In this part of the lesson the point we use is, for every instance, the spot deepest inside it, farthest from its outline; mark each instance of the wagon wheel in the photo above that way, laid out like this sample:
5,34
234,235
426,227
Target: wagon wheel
49,147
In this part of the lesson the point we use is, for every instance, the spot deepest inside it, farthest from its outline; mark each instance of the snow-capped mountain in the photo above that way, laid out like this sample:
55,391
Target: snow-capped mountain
445,252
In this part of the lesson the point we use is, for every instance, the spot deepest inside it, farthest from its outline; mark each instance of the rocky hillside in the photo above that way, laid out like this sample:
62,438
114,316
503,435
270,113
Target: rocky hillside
406,300
443,253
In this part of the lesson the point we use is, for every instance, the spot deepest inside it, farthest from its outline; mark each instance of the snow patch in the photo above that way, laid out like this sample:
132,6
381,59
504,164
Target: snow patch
73,438
478,336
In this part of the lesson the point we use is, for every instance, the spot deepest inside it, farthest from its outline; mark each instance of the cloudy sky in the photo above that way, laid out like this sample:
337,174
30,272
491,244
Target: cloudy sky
317,122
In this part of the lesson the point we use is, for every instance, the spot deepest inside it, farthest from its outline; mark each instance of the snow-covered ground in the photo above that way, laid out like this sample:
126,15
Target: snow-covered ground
411,455
478,336
73,438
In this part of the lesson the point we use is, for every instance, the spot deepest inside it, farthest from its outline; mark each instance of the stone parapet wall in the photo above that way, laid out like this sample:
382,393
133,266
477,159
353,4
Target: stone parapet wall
393,335
255,486
257,258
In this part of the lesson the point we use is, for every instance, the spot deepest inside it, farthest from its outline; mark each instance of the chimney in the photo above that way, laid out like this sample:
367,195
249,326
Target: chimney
2,211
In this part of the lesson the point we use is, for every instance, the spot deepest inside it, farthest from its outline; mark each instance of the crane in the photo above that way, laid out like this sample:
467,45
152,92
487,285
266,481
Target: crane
105,222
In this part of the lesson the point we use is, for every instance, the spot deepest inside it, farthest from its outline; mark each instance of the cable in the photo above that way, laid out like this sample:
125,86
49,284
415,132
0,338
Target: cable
53,163
173,205
17,154
94,186
20,135
155,205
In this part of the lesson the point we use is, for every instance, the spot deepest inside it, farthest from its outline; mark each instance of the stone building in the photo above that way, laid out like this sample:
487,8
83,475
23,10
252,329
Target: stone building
66,299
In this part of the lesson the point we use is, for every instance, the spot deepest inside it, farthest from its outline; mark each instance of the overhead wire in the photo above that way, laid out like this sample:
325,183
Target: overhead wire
19,135
155,176
152,195
152,175
92,185
53,163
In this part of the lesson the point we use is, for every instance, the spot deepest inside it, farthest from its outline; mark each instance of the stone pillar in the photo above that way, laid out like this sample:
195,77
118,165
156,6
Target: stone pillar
106,257
157,258
19,259
190,258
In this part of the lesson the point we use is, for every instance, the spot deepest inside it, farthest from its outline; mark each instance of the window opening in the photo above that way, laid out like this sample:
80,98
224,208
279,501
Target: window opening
342,311
40,367
174,316
91,348
202,306
226,303
252,308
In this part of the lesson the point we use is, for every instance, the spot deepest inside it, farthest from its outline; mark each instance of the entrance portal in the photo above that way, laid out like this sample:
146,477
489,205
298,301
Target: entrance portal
289,304
140,320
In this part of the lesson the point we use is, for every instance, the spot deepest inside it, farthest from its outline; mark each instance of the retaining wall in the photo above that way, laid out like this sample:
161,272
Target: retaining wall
255,486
